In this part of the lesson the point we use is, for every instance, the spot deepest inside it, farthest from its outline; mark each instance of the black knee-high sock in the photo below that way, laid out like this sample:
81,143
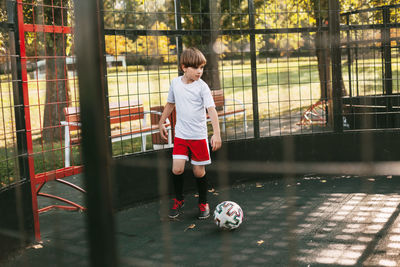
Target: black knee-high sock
177,180
202,188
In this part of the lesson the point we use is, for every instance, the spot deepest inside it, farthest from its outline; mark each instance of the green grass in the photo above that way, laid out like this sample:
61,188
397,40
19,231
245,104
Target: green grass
283,85
130,146
47,157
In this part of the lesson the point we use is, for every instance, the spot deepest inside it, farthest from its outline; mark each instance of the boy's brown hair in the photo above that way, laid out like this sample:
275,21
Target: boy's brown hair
192,57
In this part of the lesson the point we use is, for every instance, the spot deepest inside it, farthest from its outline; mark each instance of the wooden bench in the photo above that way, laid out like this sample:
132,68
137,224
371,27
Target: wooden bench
227,107
121,112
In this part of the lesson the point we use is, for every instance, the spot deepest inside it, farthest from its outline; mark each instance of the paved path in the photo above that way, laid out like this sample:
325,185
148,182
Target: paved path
308,221
285,124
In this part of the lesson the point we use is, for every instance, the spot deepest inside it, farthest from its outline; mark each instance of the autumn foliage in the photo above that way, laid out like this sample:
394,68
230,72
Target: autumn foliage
155,47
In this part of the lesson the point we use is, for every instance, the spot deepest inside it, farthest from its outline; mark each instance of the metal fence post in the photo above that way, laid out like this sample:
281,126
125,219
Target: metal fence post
22,148
17,91
178,27
387,57
96,155
253,58
348,53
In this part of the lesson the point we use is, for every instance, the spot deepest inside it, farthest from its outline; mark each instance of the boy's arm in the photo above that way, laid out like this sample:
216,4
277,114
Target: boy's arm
216,142
169,107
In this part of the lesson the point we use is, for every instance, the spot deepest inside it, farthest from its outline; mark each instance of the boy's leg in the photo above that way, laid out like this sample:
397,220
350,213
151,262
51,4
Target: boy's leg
178,166
200,158
180,156
201,180
202,183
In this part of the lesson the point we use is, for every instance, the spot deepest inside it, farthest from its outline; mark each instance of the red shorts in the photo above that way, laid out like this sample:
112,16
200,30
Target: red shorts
200,153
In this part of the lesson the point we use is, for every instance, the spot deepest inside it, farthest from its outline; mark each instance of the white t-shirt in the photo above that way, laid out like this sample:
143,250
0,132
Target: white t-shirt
191,101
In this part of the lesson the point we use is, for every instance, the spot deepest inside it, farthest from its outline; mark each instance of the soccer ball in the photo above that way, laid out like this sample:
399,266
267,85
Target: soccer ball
228,215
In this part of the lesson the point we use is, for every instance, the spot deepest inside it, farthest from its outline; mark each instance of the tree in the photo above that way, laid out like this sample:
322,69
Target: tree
320,14
209,16
138,15
276,15
155,47
54,47
196,15
3,37
118,45
133,14
57,88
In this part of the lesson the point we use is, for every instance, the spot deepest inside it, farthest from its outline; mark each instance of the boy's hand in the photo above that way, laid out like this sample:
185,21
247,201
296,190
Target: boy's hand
163,132
216,142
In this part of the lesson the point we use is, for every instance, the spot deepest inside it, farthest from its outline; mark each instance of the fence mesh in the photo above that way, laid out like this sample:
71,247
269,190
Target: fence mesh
270,69
9,167
370,65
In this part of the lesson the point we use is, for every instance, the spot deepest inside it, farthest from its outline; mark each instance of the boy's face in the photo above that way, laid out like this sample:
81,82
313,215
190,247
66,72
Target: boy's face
193,73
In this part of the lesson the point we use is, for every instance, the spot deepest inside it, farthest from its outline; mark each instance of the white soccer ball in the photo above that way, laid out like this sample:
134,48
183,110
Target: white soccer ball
228,215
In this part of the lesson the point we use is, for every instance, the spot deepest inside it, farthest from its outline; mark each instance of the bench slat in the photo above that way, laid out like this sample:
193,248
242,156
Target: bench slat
144,130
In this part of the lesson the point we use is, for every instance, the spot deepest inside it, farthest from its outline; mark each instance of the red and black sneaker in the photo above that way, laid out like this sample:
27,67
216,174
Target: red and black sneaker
204,211
176,208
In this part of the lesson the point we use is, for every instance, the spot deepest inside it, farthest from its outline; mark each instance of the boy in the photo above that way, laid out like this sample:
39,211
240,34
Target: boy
191,96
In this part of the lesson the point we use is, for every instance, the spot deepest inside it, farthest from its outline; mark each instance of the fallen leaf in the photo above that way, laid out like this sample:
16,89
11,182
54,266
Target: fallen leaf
190,227
37,246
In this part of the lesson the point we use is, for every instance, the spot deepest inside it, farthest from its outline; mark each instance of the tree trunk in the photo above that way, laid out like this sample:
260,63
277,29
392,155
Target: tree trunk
208,22
57,88
211,70
323,53
208,39
324,60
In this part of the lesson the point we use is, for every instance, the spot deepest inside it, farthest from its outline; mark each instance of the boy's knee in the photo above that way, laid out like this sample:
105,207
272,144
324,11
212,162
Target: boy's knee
199,173
177,171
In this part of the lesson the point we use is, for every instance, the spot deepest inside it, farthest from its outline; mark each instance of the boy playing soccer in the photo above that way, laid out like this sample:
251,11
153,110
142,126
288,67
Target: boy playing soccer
191,96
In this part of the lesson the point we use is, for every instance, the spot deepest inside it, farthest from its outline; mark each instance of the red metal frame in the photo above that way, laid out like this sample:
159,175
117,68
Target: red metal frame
71,205
47,28
314,114
39,179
